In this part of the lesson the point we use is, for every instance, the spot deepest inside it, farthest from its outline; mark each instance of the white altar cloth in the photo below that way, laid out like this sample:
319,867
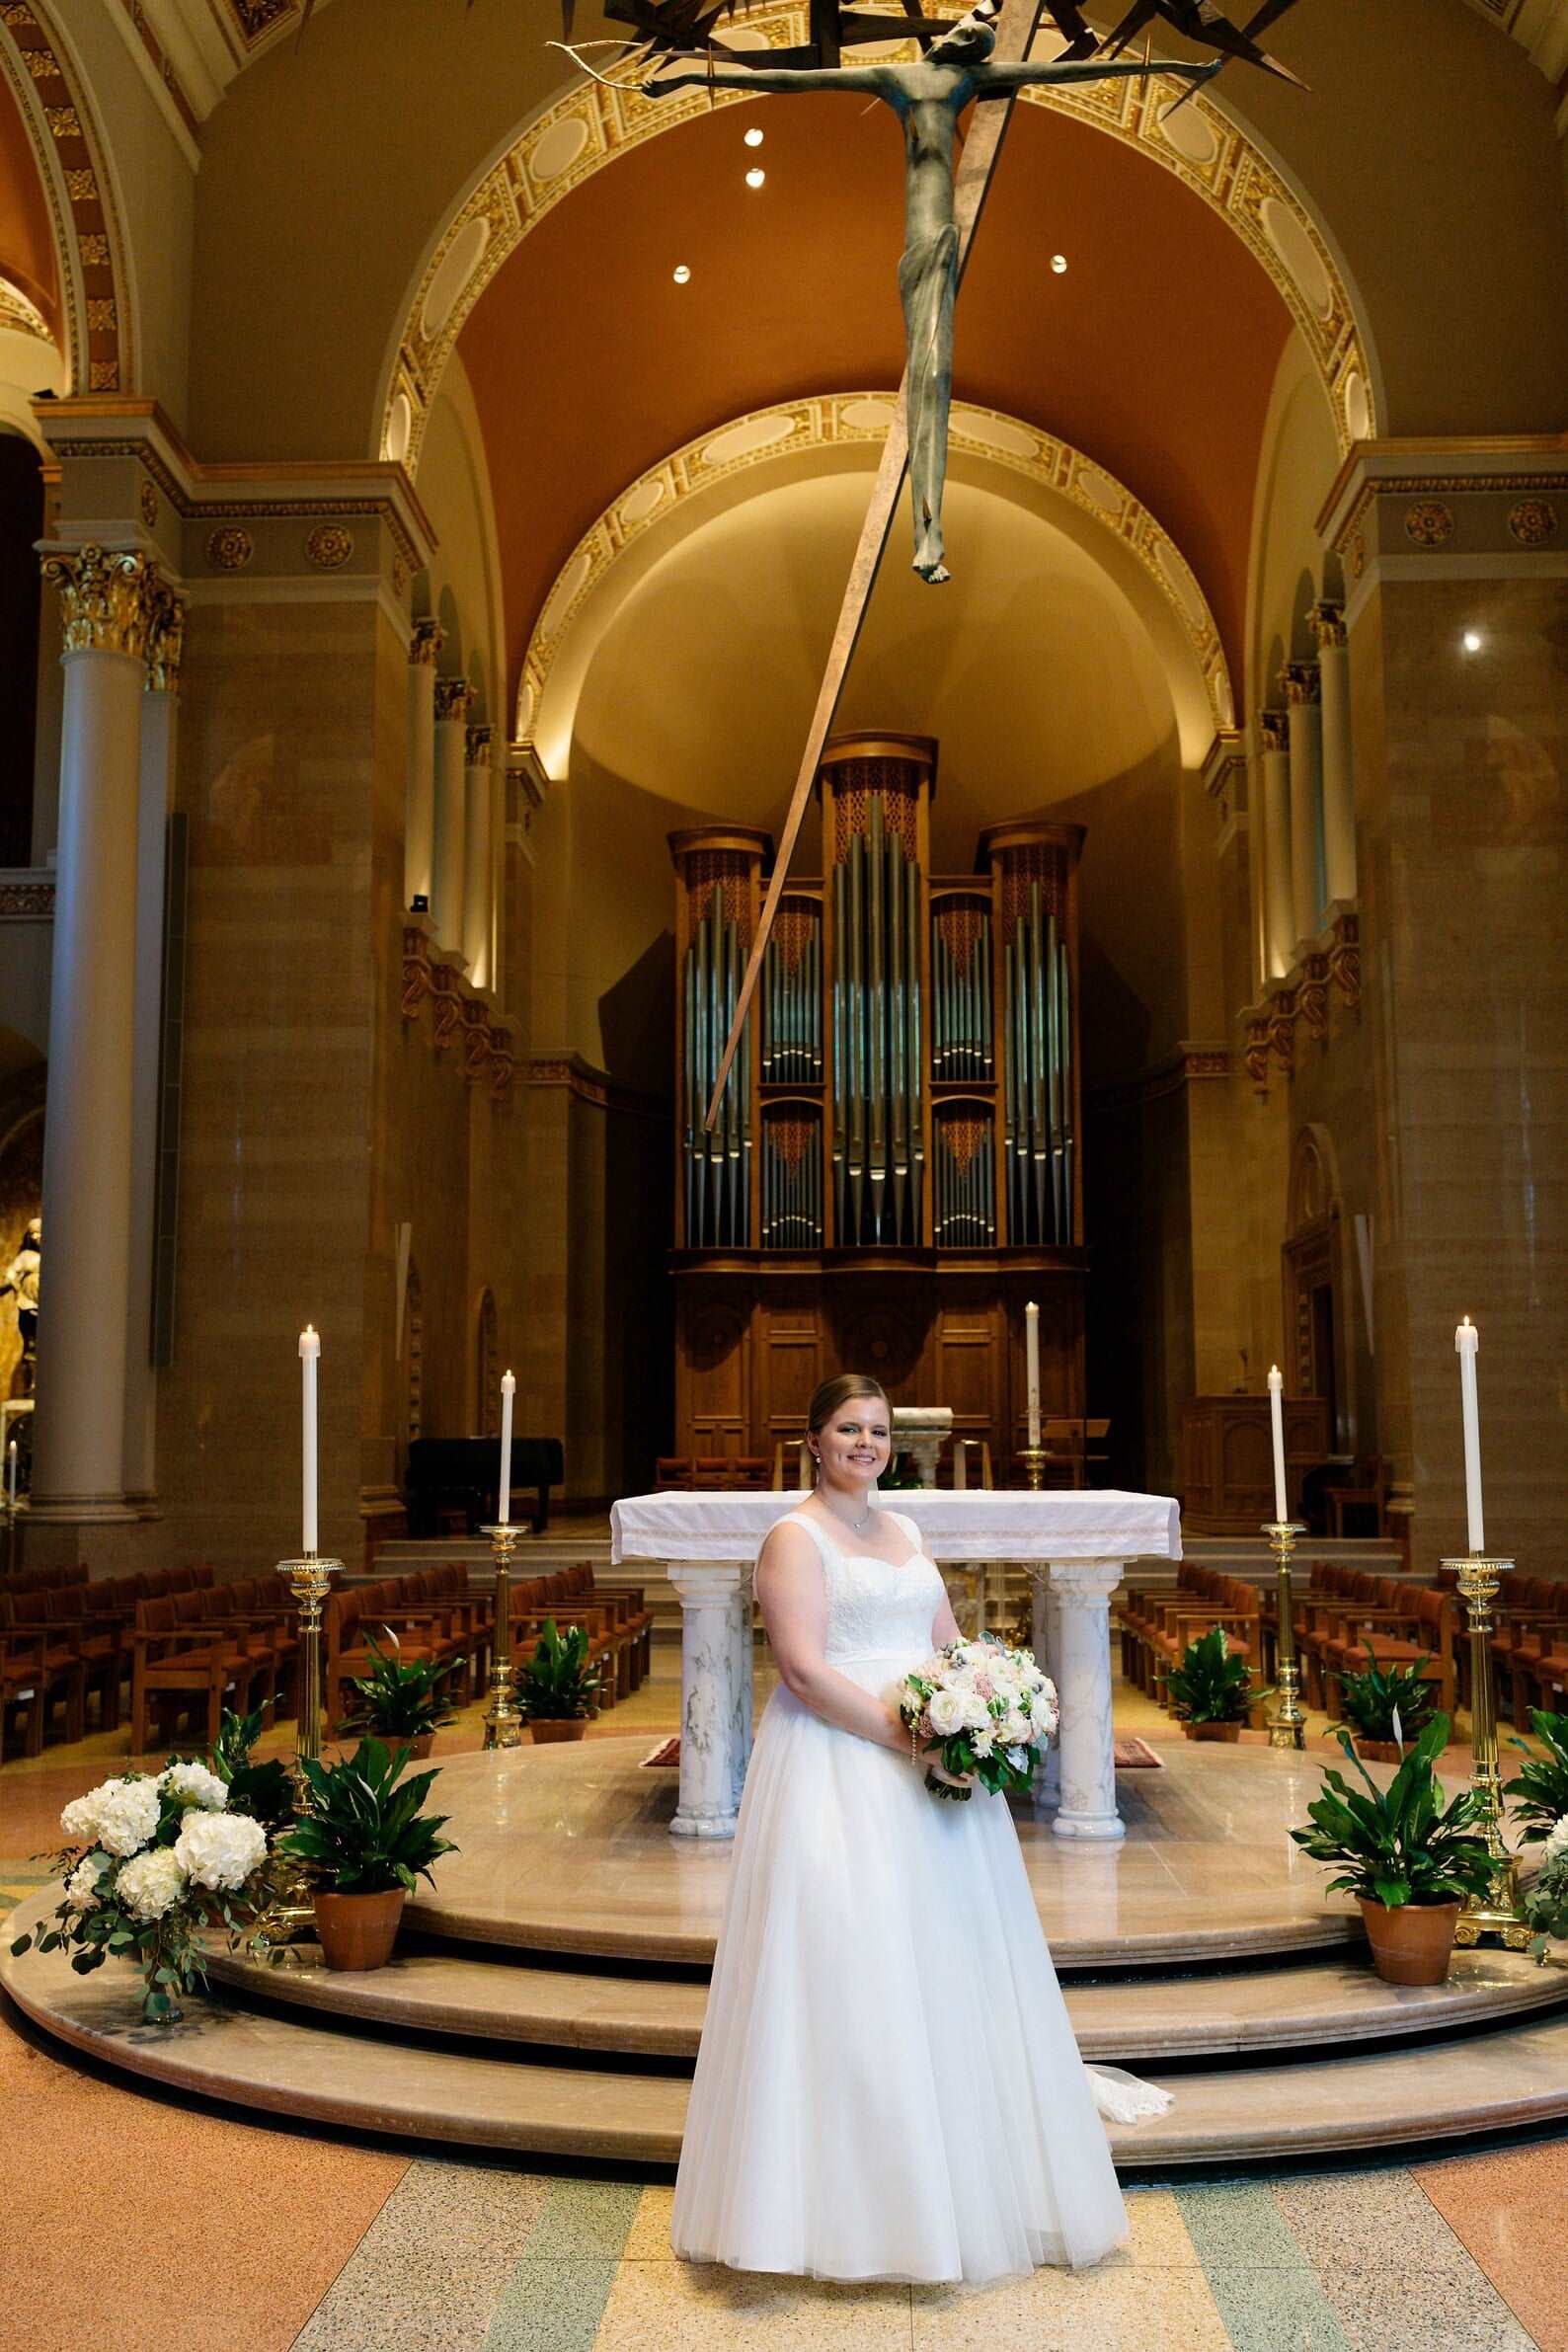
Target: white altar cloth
1075,1544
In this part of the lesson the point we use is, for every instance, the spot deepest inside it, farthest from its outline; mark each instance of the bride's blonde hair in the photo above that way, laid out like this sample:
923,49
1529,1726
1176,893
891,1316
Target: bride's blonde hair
830,1394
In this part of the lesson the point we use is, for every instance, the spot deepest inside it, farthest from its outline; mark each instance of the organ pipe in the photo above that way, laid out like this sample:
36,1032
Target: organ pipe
717,1162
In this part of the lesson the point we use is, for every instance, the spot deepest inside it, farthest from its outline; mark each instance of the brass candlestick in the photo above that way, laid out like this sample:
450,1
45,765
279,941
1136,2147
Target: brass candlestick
1287,1724
503,1722
292,1915
1034,1459
1499,1911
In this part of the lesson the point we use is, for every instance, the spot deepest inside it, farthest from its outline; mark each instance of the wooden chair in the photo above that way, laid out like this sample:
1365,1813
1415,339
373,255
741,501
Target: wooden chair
173,1666
33,1673
1365,1495
534,1602
1408,1622
632,1620
672,1473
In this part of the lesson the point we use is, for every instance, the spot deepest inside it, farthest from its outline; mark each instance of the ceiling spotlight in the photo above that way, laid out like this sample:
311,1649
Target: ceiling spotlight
755,176
753,137
681,274
1058,263
1473,641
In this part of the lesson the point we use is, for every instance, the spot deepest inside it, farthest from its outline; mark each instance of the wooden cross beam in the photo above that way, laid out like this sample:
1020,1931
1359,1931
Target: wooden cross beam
1015,31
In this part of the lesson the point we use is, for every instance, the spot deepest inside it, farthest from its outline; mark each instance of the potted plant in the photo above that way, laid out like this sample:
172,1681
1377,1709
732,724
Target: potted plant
1540,1792
397,1702
1386,1710
1408,1860
363,1830
1211,1688
1547,1897
556,1683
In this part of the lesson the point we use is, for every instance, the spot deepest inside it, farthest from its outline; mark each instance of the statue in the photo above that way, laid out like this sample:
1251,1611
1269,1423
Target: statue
22,1278
928,97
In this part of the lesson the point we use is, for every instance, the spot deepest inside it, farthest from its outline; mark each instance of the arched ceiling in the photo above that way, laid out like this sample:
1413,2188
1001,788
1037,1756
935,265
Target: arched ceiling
27,236
1154,352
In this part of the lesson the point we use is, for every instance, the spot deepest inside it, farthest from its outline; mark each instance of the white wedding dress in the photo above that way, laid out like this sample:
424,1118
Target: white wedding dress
888,2084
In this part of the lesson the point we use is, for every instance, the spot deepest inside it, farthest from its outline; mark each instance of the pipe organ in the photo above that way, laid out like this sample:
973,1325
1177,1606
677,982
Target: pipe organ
895,1169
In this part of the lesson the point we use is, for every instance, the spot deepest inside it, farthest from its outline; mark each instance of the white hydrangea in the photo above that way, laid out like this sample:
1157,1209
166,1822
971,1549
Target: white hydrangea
1557,1839
194,1785
219,1849
81,1887
118,1815
150,1884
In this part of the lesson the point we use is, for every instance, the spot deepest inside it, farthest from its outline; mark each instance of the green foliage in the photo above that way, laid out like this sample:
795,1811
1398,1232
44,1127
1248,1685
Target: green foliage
1541,1793
557,1682
262,1790
1210,1683
1546,1901
363,1828
1372,1698
398,1701
1399,1844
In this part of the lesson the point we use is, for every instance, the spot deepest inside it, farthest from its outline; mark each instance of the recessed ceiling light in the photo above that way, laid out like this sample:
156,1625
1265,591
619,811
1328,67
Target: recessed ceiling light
1473,641
681,274
753,137
755,176
1058,263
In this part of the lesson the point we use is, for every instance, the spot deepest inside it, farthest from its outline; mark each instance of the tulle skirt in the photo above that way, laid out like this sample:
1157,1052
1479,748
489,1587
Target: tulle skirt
888,2084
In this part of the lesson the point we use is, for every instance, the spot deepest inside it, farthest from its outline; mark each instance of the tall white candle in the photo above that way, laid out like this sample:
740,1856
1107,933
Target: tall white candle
1032,1356
309,1356
1277,1419
509,1389
1467,1339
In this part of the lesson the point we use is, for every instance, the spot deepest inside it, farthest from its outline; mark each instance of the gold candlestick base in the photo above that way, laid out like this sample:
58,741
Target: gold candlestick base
503,1722
1034,1459
292,1914
1499,1911
1287,1725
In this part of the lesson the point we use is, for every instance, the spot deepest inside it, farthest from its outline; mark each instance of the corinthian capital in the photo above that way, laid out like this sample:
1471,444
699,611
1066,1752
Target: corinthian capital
165,640
1273,731
425,643
1327,623
1300,682
453,698
478,742
109,600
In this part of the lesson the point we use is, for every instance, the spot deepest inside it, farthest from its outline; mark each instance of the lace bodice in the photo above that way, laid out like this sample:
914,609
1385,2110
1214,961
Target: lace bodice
874,1608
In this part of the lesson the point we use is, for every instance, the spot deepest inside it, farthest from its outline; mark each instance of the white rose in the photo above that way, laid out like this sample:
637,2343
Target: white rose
1557,1839
194,1785
1015,1728
151,1883
219,1849
125,1814
977,1711
81,1887
946,1710
983,1741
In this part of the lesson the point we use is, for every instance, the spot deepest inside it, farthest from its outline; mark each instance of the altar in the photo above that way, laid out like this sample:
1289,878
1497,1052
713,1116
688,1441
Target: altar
1075,1546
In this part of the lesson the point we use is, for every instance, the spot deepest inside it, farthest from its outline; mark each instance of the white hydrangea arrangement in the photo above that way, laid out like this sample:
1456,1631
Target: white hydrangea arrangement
1546,1897
984,1711
168,1859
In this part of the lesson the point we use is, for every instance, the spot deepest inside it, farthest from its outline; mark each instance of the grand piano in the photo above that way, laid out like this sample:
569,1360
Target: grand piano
460,1474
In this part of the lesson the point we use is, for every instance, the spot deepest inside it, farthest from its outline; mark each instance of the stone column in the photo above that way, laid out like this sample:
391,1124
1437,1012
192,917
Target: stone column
419,810
454,700
1081,1592
1279,904
1046,1636
110,600
714,1694
1338,790
743,1636
159,709
1300,682
479,794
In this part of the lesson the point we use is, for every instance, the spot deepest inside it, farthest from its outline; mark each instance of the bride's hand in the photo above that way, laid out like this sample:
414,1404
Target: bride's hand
953,1780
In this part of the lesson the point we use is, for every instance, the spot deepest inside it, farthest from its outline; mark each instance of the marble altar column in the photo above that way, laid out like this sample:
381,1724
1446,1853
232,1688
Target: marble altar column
419,803
1279,920
1080,1591
1300,681
453,701
109,603
159,708
715,1694
1339,789
478,795
1046,1636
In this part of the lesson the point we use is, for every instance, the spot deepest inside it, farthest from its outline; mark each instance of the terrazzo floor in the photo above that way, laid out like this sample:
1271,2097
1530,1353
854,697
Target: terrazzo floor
139,2223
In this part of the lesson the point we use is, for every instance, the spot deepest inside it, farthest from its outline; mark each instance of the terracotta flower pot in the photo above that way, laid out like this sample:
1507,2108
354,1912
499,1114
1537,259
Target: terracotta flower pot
419,1749
1412,1943
1377,1751
358,1931
556,1727
1210,1731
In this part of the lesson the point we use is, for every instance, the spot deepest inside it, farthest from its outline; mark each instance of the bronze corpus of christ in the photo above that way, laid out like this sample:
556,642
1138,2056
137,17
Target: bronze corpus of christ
927,96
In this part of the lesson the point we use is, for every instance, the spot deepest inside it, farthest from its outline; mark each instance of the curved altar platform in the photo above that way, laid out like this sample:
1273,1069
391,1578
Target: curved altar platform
547,1997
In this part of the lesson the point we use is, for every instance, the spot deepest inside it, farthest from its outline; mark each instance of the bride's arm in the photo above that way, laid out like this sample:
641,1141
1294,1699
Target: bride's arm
793,1603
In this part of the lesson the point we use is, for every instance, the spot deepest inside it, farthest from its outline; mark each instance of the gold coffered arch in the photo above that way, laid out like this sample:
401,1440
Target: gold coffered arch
840,422
585,129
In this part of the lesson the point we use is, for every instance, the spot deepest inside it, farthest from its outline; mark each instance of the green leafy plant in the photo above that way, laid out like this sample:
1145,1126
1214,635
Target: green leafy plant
1397,1705
398,1700
1210,1683
1546,1897
363,1828
1400,1844
1540,1792
557,1682
262,1790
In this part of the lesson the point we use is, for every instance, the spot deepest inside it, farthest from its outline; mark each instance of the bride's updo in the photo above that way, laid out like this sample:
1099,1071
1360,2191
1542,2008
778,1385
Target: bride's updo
837,1391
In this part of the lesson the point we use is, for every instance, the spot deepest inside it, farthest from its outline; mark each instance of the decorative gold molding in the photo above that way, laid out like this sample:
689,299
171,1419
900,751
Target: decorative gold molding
586,1084
1274,731
230,548
1327,624
415,970
592,124
88,239
108,601
21,316
425,640
165,640
1344,956
26,902
454,699
1429,522
329,546
1300,684
1281,1029
1255,1054
476,749
1311,995
1533,521
458,1014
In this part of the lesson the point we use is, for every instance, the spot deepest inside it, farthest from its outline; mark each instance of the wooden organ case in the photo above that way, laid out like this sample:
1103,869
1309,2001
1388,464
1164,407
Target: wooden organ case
895,1171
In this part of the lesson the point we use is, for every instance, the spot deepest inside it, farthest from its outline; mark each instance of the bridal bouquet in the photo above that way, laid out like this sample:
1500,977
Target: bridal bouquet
985,1710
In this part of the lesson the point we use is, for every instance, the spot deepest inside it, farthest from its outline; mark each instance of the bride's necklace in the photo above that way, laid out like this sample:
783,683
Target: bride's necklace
856,1526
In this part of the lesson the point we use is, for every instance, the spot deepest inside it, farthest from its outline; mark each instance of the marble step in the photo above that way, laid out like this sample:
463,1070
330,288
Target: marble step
1135,2023
324,2072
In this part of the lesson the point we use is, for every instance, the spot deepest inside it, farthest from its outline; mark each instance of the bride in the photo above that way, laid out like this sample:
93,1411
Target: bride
887,2085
